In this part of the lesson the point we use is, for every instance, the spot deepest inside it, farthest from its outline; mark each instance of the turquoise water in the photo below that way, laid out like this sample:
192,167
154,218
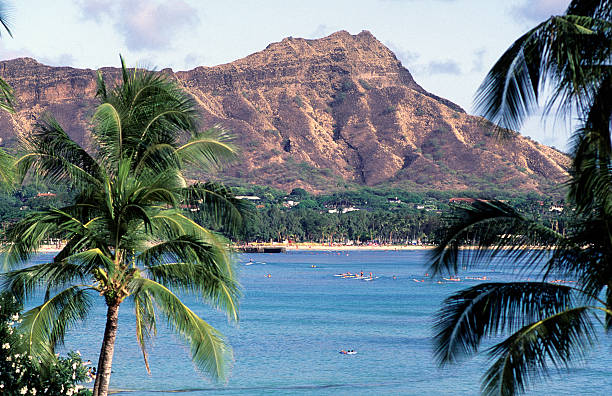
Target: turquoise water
294,323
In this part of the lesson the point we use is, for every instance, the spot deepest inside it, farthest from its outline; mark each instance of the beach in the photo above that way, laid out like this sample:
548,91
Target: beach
334,247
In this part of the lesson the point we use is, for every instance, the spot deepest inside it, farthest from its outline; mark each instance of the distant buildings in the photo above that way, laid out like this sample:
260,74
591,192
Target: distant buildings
290,203
248,197
343,210
462,200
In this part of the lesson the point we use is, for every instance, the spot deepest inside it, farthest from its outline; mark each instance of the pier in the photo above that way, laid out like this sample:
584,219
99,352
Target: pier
261,249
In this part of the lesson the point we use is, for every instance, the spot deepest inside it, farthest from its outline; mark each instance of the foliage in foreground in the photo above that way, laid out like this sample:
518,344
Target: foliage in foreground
21,373
547,324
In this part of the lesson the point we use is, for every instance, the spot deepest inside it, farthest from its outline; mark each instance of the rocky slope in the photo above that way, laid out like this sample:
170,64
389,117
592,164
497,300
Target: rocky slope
319,114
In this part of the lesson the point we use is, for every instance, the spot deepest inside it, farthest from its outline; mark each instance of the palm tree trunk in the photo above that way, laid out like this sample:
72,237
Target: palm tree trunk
106,353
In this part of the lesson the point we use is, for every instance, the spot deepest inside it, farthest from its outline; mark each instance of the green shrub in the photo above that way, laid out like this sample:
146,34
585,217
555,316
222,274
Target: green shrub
364,84
21,374
389,110
338,99
298,101
347,85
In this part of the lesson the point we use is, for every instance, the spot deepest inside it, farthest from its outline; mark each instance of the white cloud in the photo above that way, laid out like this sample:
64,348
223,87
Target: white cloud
96,9
478,61
408,58
144,24
539,10
321,31
447,66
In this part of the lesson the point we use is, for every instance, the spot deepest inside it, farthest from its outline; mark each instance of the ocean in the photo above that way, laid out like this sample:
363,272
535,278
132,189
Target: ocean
294,323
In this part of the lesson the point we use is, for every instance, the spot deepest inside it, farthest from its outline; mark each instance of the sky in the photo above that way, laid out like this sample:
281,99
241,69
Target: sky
448,45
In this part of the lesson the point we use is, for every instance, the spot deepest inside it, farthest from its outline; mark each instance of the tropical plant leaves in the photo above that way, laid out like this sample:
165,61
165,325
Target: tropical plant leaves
490,309
126,233
208,348
526,355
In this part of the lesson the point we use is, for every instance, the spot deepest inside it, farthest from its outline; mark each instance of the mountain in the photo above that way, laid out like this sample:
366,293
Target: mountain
318,114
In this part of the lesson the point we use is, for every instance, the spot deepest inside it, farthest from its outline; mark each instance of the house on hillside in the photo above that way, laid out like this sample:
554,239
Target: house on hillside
462,200
290,203
248,197
47,194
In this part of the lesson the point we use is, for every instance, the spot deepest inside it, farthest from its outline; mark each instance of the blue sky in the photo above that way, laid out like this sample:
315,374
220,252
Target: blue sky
448,45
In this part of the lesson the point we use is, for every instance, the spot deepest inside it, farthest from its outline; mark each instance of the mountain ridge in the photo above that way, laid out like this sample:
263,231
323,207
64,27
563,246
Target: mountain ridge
320,114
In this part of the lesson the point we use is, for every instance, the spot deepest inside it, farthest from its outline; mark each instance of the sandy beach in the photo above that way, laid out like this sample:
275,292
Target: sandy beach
334,247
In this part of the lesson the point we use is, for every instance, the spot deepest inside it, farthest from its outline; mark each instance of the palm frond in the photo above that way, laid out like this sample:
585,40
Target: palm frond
496,229
208,149
601,9
158,158
526,355
55,157
561,51
23,282
489,309
108,132
101,91
510,90
25,237
45,326
208,348
146,327
154,110
194,266
585,255
172,223
7,170
592,153
5,18
219,203
7,97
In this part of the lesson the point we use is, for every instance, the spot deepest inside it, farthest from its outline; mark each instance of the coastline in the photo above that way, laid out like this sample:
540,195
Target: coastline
316,247
327,247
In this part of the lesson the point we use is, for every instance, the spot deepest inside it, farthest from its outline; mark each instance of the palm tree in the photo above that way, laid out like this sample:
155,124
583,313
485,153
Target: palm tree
127,237
6,104
547,324
6,92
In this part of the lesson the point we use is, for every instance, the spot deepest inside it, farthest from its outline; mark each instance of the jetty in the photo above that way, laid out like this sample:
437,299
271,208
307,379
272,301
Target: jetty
261,249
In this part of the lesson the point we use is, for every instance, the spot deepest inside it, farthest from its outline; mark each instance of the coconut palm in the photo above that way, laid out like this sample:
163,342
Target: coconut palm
127,237
6,92
6,103
547,324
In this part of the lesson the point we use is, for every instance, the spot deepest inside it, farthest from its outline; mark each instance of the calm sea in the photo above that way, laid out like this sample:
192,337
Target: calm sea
294,323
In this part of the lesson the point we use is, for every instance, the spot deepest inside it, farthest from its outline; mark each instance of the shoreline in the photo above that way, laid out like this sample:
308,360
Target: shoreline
318,247
328,248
